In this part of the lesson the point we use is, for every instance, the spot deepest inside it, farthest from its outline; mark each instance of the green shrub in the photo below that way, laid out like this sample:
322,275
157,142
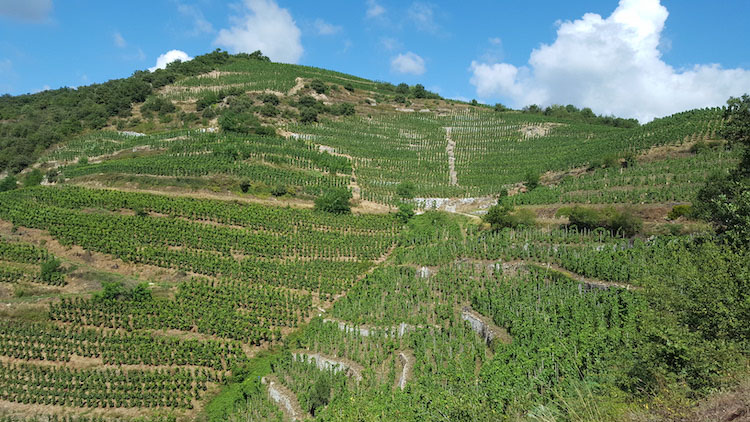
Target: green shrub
269,110
306,101
618,222
308,115
9,183
680,211
405,212
33,178
504,216
270,99
335,200
279,190
318,86
532,180
343,109
406,190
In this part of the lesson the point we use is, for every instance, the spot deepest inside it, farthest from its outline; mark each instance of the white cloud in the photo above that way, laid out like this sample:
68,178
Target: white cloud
200,24
119,40
390,44
26,10
265,27
612,65
169,57
408,63
423,16
325,28
374,9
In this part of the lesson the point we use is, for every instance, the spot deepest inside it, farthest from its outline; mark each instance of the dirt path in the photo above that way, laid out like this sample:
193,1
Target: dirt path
284,398
300,83
449,149
407,362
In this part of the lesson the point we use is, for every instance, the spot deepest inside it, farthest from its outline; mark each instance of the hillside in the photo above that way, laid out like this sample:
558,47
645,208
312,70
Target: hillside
169,260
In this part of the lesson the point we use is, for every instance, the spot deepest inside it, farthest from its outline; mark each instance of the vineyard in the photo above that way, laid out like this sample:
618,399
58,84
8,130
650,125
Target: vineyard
197,273
494,151
247,274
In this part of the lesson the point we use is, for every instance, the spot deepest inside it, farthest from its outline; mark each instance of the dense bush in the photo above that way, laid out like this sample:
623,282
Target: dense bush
618,222
335,201
680,211
504,216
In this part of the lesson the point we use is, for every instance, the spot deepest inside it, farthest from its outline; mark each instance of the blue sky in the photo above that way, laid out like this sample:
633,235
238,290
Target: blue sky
634,58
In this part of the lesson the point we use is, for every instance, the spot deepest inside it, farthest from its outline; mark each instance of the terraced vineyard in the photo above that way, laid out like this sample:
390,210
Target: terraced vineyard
194,274
246,275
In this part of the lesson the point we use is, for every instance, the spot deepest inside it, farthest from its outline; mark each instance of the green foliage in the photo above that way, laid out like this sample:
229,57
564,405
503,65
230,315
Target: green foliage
499,108
405,212
406,190
279,190
725,199
50,271
33,178
321,394
678,211
269,110
243,122
159,105
335,201
271,99
531,180
318,86
503,216
571,112
308,115
8,183
343,109
618,222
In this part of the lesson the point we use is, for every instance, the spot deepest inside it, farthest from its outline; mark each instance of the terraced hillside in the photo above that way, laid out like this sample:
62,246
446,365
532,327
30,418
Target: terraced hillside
175,264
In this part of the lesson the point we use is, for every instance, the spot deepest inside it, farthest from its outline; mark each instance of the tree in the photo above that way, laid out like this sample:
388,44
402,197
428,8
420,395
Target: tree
419,91
321,393
335,200
725,199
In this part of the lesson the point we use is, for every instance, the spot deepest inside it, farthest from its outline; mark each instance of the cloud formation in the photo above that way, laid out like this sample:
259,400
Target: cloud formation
26,10
119,40
169,57
265,27
408,63
324,28
612,65
423,16
374,9
200,24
